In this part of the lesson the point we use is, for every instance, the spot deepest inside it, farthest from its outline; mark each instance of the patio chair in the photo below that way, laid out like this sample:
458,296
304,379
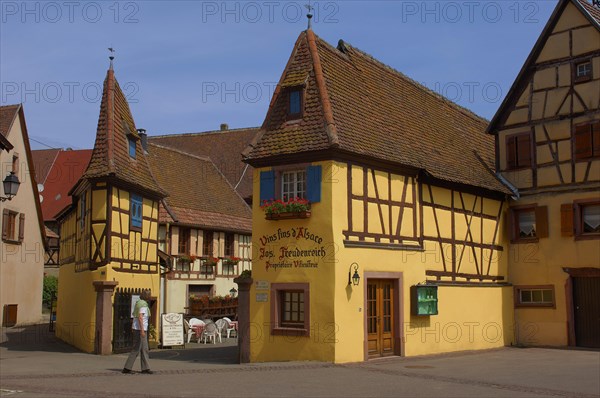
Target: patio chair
222,326
229,328
188,330
211,331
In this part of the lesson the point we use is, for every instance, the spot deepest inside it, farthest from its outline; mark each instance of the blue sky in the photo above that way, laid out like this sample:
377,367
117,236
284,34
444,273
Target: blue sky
187,66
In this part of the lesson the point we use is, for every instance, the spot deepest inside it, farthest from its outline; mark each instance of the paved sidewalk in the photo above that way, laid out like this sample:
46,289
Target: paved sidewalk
33,364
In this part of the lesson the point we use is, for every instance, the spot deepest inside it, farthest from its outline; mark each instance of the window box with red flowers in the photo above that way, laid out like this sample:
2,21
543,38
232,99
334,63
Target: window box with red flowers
208,265
286,209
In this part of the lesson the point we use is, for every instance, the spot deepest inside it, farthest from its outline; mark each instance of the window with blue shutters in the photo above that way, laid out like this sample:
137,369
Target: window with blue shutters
267,185
136,211
303,183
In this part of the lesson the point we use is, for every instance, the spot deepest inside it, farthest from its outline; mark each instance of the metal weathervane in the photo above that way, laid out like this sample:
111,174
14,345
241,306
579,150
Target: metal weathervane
309,15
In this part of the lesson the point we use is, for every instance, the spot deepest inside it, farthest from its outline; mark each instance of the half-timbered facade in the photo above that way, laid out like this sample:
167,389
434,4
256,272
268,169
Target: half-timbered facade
205,228
547,134
379,226
109,236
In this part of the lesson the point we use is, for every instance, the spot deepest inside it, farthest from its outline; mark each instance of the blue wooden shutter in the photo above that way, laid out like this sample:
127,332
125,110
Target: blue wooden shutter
267,185
136,211
313,184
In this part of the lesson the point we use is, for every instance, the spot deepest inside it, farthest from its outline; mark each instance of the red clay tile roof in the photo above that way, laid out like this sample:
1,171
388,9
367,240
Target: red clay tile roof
224,148
7,116
593,11
356,104
65,172
43,159
199,194
111,149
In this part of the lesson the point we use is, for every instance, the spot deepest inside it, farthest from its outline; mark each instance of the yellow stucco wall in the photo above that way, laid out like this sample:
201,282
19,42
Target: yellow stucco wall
76,310
267,240
469,317
542,263
76,307
21,265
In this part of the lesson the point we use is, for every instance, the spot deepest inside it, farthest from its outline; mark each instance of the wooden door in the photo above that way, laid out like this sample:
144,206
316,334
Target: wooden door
586,291
380,318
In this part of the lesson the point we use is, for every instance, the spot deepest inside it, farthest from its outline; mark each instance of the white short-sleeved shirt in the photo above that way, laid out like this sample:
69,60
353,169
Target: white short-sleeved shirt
136,323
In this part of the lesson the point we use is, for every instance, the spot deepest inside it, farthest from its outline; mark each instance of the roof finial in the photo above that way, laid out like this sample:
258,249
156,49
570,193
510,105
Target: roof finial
112,56
309,15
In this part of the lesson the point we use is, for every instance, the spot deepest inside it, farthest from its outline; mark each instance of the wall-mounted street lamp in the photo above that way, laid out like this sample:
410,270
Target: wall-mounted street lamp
11,186
233,292
353,279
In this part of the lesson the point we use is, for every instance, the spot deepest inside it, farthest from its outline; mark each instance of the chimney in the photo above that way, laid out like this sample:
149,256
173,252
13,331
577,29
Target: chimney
224,126
143,139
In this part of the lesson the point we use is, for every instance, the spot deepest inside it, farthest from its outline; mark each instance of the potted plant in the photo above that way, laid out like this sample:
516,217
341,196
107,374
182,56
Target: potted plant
286,209
230,261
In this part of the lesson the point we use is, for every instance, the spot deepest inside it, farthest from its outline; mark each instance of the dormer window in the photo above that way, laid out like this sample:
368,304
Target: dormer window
295,103
131,147
582,71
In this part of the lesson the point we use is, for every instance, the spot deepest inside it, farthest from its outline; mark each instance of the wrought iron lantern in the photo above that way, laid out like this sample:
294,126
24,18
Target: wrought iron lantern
11,186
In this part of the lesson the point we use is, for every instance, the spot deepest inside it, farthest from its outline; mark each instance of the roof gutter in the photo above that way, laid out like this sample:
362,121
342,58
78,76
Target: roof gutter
511,187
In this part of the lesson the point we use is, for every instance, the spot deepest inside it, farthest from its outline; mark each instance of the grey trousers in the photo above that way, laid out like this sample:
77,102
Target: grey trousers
140,347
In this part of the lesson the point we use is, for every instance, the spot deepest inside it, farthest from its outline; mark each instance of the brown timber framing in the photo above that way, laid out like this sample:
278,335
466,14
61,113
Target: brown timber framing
396,240
468,241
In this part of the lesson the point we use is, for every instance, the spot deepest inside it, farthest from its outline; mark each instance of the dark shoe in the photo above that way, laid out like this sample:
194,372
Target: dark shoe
125,370
147,371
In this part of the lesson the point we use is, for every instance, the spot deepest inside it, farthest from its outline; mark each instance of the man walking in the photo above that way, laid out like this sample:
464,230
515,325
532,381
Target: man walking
141,313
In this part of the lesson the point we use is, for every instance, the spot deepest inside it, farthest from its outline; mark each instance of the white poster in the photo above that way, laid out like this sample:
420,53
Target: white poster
172,329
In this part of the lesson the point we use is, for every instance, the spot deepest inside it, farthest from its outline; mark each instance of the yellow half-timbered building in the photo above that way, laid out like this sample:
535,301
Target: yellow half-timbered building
380,225
109,236
547,134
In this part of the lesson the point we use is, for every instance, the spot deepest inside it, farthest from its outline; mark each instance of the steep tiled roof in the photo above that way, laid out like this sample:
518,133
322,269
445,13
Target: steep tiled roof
356,104
199,194
111,149
7,116
66,170
224,148
593,11
43,159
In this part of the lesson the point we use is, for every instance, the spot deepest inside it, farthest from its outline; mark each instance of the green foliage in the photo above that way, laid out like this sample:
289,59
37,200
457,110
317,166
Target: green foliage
50,289
246,274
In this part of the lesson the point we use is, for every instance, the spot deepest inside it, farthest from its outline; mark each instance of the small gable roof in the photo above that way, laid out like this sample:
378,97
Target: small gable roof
357,105
110,157
223,147
591,12
199,194
8,113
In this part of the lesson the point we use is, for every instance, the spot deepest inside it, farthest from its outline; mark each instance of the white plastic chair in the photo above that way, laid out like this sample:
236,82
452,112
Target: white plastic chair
222,326
229,328
190,332
195,322
211,331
